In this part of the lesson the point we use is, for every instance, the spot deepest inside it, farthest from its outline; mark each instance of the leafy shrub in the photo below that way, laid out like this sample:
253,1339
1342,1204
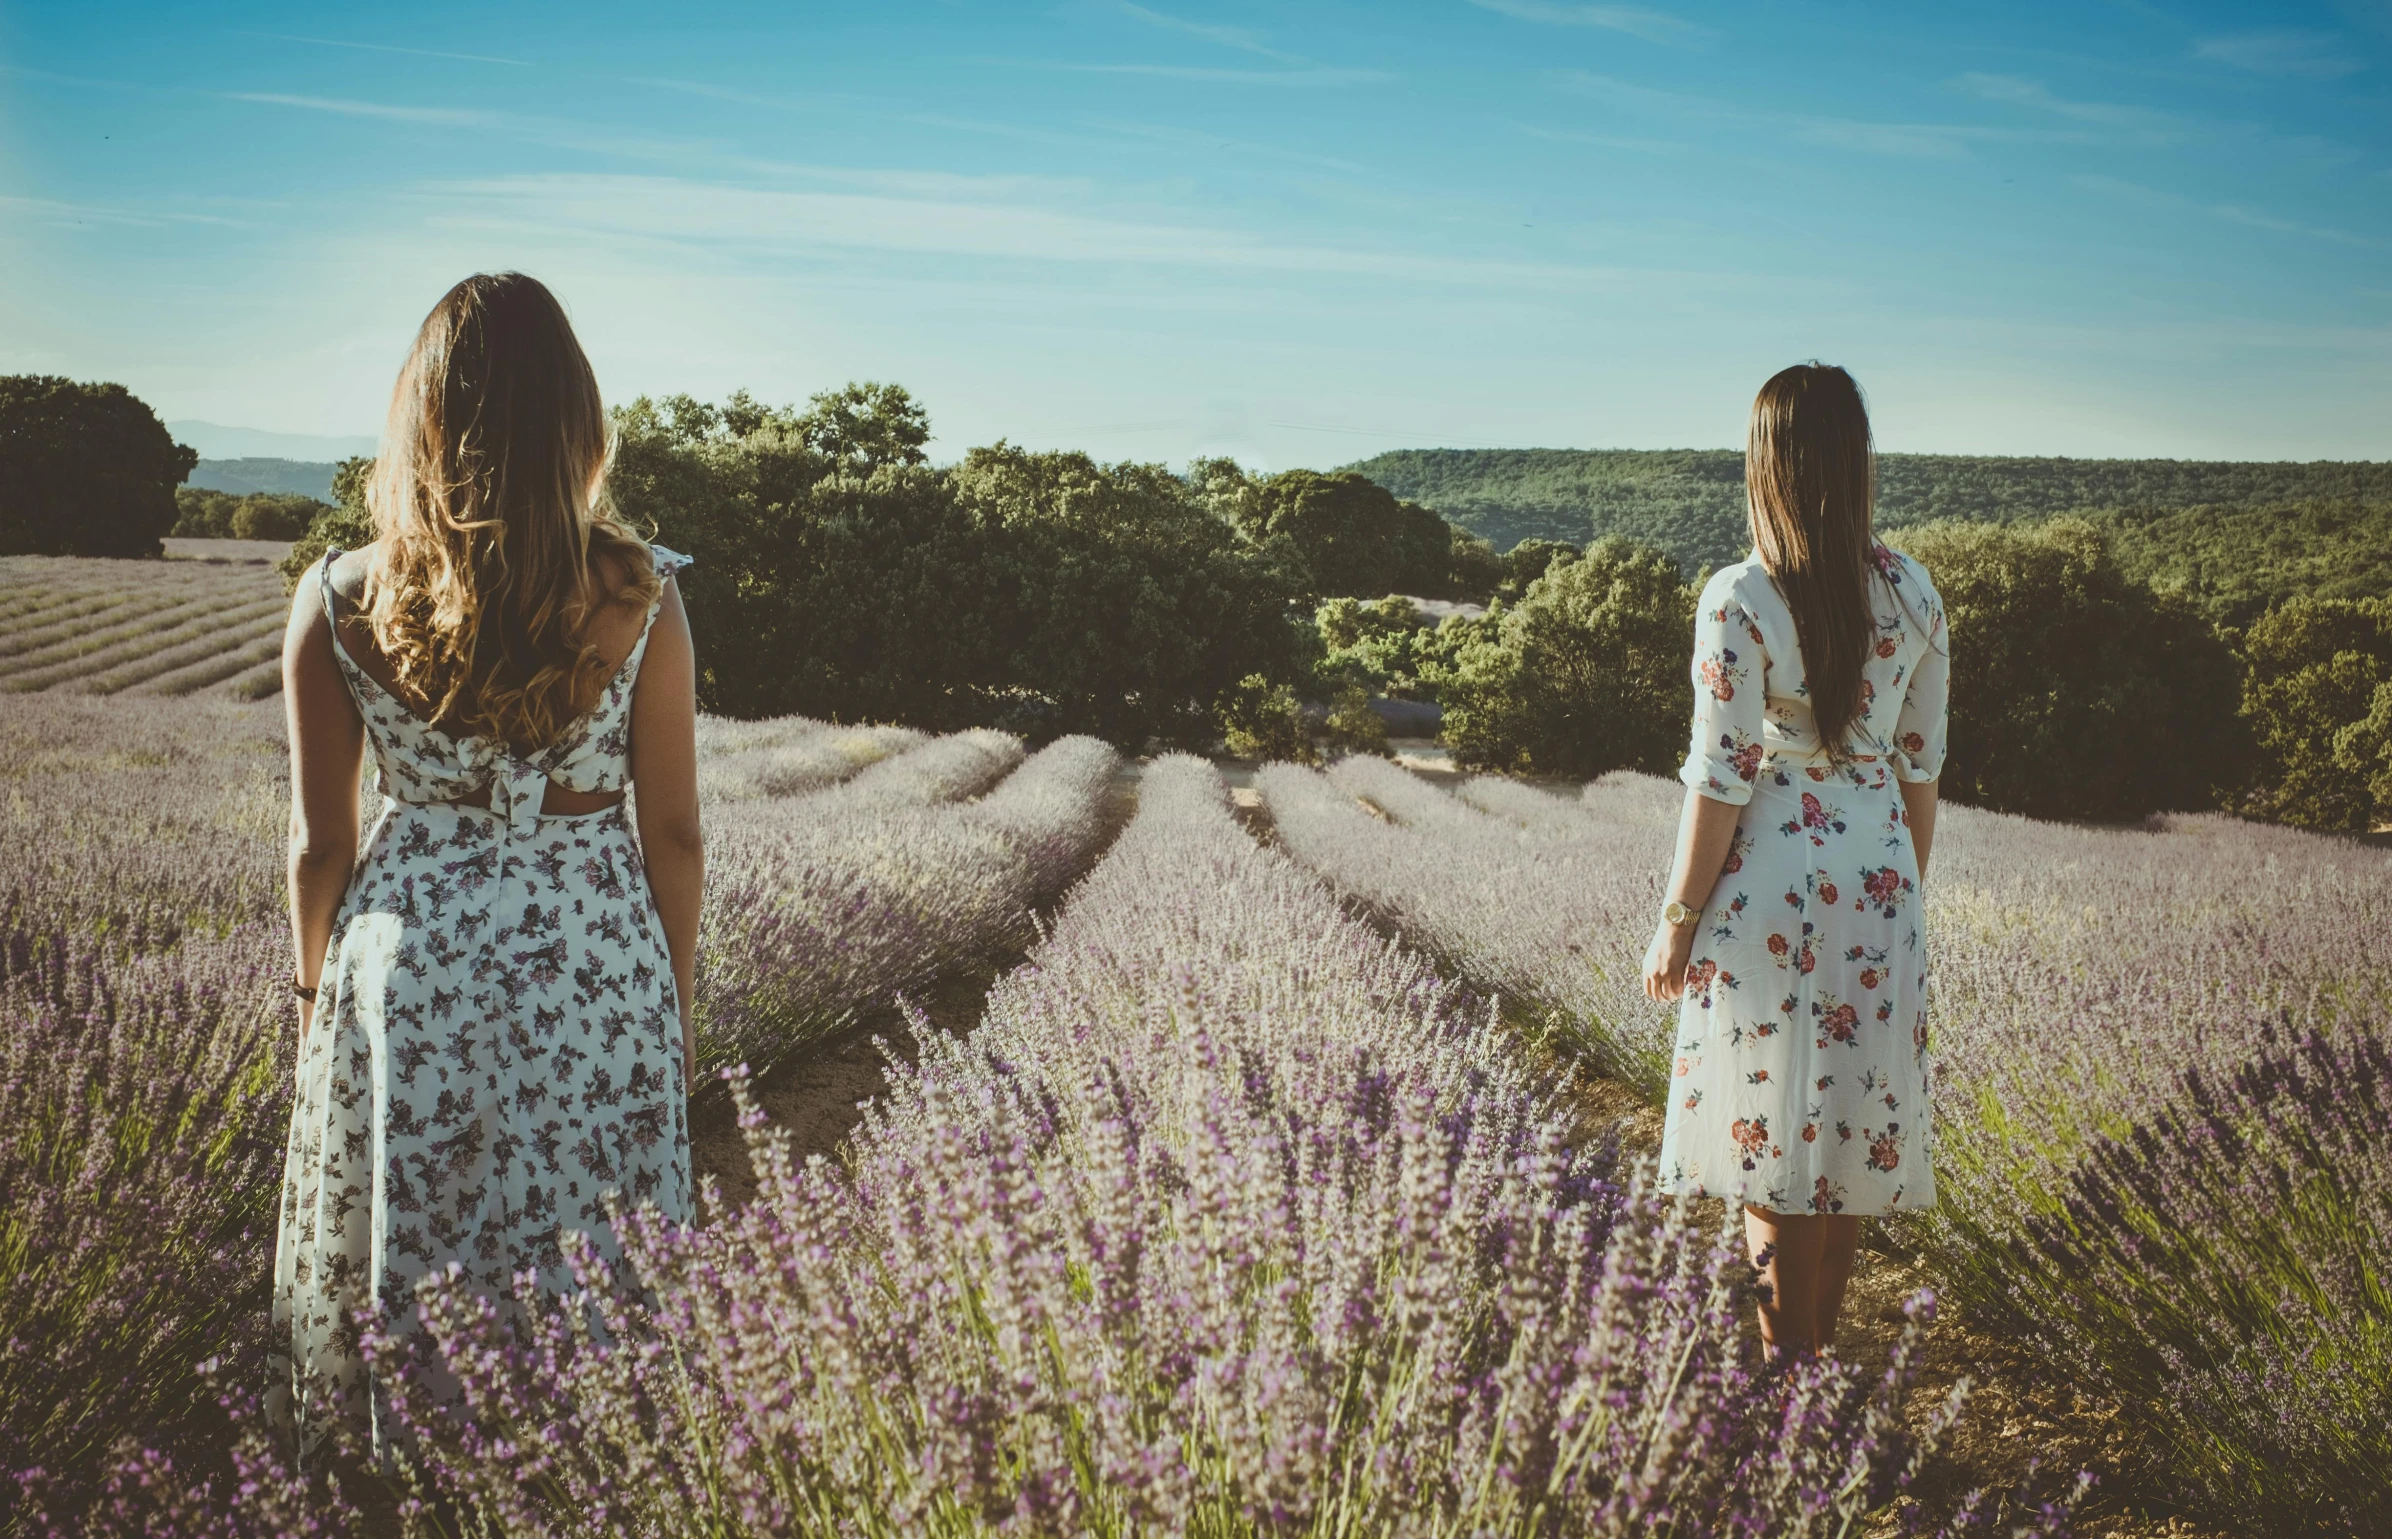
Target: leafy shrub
1265,721
85,470
346,524
1350,724
2076,691
2319,699
1529,560
1586,674
1384,648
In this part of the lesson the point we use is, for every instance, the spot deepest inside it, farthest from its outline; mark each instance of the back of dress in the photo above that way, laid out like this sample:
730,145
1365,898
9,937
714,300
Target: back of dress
497,1045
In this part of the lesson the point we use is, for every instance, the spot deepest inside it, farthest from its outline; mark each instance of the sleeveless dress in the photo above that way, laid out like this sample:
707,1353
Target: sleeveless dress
496,1046
1799,1080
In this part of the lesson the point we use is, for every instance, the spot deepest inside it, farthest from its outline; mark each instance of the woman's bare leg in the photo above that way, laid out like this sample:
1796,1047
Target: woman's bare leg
1839,1244
1805,1260
1785,1248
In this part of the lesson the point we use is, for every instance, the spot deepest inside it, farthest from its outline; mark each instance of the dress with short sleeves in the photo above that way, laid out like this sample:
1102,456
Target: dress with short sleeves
497,1045
1799,1077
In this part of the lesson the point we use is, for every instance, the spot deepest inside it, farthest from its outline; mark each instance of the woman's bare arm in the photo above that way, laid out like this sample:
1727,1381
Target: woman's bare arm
664,777
1706,829
1918,810
327,752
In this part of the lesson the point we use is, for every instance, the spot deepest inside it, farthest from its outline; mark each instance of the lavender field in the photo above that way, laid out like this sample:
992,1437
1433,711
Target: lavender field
1260,1200
181,627
2162,1095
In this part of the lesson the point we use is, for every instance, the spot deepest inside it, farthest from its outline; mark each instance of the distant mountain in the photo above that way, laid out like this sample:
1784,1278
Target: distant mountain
1690,502
305,478
214,441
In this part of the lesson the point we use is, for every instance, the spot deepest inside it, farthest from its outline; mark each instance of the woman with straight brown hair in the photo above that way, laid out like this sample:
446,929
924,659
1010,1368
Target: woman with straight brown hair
1792,936
493,997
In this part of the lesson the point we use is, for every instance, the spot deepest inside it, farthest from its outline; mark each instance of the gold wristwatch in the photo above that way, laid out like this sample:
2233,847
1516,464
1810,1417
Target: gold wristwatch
1676,913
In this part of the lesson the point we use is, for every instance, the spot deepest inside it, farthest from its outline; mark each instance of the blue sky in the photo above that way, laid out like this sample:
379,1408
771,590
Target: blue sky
1298,233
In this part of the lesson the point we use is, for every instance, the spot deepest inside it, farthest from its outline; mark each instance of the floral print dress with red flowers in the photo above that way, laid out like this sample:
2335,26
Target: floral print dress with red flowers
496,1051
1799,1077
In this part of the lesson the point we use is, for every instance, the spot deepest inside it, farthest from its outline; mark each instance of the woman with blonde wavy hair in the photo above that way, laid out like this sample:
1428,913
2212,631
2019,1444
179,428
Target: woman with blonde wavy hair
493,994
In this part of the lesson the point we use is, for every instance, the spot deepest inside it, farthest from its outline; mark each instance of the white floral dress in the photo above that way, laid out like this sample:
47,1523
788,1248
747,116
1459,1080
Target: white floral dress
1799,1080
496,1045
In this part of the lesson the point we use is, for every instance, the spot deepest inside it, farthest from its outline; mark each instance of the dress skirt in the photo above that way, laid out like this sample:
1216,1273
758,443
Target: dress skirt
496,1051
1800,1073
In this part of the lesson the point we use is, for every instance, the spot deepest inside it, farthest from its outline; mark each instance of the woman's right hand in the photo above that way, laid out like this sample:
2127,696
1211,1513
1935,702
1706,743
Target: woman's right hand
1665,961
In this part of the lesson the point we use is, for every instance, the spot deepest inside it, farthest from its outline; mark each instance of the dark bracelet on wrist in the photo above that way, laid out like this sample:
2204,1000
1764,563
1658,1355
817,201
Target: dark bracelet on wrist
303,991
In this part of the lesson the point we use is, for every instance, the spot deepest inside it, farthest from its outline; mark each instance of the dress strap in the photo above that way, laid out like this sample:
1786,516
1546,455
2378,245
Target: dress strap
332,616
668,566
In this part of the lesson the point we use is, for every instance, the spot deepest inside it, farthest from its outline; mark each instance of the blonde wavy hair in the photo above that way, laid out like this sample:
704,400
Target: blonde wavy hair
490,507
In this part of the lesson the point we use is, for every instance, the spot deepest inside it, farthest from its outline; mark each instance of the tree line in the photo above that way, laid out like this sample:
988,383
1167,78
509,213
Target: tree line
2105,667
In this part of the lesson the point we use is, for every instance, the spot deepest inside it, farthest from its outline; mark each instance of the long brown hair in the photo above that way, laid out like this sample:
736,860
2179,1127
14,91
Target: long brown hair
1811,473
489,502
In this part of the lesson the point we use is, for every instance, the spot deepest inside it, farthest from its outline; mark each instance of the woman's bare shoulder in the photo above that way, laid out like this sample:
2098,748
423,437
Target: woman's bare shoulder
350,570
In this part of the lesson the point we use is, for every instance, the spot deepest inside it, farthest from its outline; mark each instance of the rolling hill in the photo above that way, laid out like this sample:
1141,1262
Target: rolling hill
302,478
2232,532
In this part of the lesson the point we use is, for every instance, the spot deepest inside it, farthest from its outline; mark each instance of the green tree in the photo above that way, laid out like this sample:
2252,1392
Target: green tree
1347,535
2319,700
815,589
862,427
85,470
1473,570
1040,592
1529,560
2076,691
1586,674
1126,608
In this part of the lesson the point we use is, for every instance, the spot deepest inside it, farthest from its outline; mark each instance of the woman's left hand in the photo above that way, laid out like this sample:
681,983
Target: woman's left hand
1665,961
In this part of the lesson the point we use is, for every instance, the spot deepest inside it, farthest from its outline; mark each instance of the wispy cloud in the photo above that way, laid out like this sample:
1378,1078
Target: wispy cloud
51,211
972,220
2014,91
2229,213
1605,141
1239,38
421,53
2316,55
447,117
1909,141
1302,77
1634,20
1192,139
720,93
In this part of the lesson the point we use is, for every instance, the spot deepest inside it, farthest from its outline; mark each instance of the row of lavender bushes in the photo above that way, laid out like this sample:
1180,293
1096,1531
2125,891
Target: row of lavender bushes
823,905
1539,903
2160,1105
145,1030
1230,1219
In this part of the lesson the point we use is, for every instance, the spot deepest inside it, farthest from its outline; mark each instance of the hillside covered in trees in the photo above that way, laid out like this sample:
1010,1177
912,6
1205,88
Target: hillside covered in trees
2233,536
